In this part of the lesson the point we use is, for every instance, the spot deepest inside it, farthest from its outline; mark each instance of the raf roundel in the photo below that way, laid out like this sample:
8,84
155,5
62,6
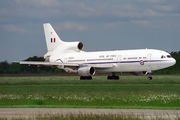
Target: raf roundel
142,62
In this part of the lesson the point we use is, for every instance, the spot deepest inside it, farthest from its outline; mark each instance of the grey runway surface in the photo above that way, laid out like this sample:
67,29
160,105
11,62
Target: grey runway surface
33,112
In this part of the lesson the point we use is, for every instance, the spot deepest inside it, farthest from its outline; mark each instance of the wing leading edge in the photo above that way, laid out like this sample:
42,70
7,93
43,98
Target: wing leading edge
65,64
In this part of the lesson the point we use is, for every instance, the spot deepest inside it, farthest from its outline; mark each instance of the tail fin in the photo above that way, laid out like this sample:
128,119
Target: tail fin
52,39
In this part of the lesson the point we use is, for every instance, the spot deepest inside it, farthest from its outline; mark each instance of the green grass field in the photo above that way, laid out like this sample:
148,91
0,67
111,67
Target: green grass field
163,92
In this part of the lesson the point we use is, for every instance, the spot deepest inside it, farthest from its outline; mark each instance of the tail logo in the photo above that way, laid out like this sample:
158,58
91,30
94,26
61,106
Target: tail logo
53,40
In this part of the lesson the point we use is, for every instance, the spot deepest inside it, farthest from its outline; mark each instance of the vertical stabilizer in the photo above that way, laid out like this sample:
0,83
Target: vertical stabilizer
52,39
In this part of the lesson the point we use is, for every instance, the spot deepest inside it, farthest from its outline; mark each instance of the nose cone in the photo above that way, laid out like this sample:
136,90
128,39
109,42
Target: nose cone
173,61
170,62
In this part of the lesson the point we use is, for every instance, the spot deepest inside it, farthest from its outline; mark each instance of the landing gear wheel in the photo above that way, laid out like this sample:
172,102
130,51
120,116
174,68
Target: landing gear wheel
117,77
109,77
149,78
85,78
113,77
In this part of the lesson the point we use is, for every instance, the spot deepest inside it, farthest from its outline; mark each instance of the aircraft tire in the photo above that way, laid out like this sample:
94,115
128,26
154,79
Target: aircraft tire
109,77
117,77
149,78
81,78
113,77
85,78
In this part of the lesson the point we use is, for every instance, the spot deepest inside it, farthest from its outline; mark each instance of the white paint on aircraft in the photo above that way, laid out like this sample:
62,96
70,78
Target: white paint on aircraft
70,57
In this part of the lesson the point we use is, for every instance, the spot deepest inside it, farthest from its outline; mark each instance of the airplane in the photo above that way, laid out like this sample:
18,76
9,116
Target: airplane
70,57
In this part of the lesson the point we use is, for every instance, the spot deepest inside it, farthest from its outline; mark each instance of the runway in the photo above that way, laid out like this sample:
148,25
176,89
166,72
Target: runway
46,112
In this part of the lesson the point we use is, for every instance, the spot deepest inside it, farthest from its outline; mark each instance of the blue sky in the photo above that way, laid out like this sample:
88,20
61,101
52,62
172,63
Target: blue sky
98,24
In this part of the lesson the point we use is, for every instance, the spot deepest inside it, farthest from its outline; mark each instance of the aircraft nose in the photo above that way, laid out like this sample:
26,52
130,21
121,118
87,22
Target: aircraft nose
173,61
170,62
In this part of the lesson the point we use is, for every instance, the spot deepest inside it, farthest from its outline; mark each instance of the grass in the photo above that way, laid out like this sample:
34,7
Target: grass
129,92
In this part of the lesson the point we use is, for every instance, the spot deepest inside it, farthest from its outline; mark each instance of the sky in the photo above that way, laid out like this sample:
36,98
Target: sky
98,24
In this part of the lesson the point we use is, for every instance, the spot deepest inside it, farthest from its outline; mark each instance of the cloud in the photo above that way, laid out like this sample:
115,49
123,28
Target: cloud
71,26
76,13
141,22
13,28
35,3
79,15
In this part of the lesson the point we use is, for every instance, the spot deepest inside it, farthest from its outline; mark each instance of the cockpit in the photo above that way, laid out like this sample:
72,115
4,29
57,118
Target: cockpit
166,56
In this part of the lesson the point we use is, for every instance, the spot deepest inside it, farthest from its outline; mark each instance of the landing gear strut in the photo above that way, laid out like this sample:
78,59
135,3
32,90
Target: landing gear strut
150,77
85,78
113,77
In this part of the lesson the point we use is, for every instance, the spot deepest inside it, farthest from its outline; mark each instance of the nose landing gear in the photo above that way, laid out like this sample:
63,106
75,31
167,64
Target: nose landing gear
150,77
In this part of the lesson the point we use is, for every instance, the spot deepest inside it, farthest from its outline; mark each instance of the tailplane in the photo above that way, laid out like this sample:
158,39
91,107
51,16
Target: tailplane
52,39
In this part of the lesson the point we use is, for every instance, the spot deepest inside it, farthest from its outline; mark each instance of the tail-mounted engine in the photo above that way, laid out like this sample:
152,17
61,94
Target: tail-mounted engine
77,46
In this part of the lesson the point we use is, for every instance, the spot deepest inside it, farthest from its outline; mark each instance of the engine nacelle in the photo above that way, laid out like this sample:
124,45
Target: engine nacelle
86,71
77,46
139,73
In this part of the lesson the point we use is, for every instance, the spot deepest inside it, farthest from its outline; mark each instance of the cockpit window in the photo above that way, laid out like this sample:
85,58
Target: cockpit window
169,56
163,56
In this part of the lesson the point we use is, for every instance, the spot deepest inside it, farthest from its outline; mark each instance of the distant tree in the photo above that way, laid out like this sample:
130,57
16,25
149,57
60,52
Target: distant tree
35,58
4,66
40,69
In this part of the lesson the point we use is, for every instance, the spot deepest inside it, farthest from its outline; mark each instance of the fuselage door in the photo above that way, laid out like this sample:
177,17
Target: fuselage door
149,57
119,58
65,60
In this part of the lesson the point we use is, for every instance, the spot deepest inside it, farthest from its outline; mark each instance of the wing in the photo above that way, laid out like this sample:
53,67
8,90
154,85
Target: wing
54,64
44,63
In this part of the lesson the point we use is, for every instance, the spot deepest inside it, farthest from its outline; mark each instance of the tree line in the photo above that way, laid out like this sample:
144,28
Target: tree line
16,68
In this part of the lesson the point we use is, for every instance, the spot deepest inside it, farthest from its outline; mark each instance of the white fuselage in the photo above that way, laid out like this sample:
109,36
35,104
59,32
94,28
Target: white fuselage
122,60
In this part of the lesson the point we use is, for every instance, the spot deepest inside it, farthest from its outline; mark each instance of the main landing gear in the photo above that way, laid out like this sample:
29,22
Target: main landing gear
113,77
85,78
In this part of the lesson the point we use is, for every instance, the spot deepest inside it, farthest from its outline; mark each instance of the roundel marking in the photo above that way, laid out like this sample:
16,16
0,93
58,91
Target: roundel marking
142,62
